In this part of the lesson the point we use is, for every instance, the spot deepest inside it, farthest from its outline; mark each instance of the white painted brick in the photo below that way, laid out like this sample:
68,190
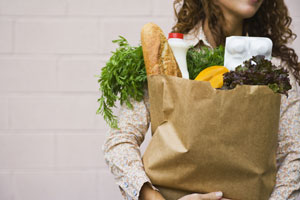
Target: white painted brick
6,36
27,74
4,117
109,7
57,36
83,151
294,7
26,151
163,8
6,188
108,189
130,29
296,29
56,186
78,73
56,112
32,7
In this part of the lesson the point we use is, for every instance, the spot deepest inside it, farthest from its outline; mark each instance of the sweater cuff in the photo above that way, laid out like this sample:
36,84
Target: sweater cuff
145,181
133,186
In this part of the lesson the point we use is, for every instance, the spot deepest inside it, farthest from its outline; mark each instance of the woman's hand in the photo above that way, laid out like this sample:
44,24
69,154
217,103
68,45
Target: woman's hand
147,193
208,196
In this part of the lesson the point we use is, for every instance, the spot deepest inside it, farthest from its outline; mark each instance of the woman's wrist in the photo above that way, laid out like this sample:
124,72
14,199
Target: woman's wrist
148,193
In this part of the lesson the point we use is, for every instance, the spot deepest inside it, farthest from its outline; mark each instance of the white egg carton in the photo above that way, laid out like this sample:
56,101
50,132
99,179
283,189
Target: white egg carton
241,48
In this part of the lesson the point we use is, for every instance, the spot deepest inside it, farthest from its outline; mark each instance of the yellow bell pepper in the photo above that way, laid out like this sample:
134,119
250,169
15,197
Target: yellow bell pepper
214,75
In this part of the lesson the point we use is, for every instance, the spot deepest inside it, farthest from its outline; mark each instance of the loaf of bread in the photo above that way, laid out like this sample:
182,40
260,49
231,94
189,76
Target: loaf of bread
158,55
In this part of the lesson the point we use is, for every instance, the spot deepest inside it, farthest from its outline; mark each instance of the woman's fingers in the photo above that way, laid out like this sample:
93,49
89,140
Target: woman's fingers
211,196
208,196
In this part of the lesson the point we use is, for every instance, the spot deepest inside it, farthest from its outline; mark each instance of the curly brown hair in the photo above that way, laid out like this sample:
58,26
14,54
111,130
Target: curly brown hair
272,20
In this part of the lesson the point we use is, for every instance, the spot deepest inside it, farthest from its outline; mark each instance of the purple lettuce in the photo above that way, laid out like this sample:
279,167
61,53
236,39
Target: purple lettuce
258,71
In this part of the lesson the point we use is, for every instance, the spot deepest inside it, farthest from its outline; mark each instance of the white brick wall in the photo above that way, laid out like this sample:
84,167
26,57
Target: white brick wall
33,7
57,36
6,35
50,50
108,8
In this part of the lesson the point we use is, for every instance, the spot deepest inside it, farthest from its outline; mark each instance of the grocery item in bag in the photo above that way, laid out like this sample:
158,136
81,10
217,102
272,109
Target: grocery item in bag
158,55
179,48
241,48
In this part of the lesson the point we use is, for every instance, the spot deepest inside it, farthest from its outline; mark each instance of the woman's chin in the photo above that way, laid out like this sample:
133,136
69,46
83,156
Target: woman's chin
247,13
249,10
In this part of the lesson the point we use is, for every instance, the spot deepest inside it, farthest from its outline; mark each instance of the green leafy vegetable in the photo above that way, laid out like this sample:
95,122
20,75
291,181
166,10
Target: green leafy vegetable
198,60
258,71
124,76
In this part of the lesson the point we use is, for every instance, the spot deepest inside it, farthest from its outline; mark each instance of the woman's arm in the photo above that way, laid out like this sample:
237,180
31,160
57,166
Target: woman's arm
288,155
121,149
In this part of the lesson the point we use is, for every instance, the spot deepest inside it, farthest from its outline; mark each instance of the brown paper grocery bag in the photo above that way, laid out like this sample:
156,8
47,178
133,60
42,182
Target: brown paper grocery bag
206,140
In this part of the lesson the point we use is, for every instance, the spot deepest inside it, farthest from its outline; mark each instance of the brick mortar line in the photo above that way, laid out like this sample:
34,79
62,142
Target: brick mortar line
9,114
13,35
78,16
55,153
53,54
64,132
67,170
58,60
138,18
62,93
94,17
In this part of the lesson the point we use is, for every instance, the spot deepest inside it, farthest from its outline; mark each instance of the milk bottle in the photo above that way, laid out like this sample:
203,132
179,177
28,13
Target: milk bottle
179,48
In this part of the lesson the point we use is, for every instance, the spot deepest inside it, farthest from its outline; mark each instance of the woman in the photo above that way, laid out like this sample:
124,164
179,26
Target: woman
209,22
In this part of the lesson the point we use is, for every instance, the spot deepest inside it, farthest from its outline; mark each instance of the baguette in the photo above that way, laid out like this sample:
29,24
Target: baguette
158,55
